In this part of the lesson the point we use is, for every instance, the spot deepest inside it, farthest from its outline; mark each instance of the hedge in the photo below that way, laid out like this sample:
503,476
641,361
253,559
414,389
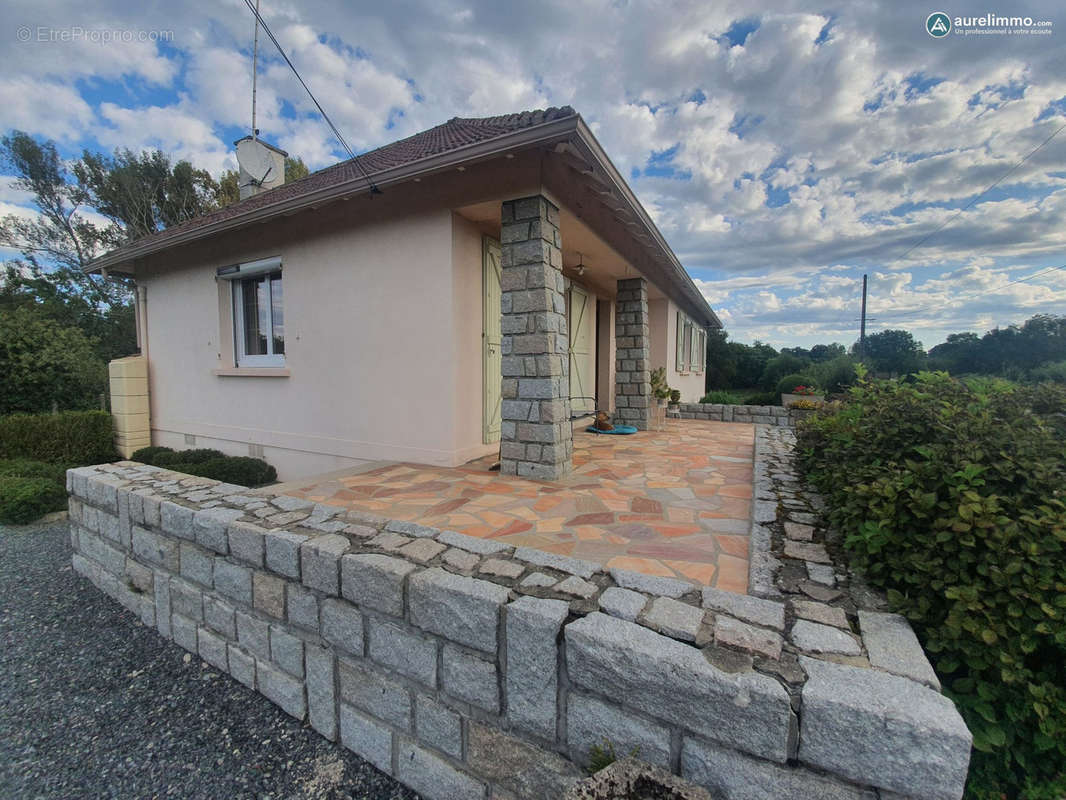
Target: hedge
69,437
210,464
953,499
23,500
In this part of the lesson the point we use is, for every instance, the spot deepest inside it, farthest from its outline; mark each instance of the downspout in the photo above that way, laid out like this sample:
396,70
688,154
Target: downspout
141,314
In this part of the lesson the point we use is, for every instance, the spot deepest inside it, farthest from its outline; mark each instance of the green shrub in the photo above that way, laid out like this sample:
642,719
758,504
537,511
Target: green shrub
231,469
778,367
762,399
44,362
724,397
834,376
1055,372
208,463
70,437
148,455
27,468
952,498
23,500
790,382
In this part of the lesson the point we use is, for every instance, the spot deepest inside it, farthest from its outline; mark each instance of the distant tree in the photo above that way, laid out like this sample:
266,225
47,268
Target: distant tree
144,193
959,355
779,366
751,361
799,352
295,168
893,351
827,352
721,361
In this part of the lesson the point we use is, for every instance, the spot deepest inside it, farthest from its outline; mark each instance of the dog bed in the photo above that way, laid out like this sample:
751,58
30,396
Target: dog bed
619,429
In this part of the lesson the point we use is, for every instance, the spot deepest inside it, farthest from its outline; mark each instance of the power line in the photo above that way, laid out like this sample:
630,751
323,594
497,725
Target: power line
986,190
976,295
351,153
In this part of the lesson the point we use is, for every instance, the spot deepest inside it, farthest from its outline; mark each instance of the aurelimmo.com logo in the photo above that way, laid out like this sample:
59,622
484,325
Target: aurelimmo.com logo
938,24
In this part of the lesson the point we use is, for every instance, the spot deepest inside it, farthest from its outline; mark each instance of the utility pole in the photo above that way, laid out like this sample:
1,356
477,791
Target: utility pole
862,323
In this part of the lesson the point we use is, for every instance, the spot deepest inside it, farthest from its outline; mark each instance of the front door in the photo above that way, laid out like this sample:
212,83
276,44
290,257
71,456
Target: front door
490,338
581,325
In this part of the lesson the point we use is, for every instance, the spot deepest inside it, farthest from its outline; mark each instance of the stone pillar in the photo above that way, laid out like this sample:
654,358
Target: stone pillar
632,391
535,435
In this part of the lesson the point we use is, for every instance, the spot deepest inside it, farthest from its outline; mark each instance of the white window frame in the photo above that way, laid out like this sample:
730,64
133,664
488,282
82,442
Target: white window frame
252,269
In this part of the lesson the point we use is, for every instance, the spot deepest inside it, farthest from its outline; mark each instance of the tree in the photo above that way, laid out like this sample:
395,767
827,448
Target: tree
827,352
60,238
959,355
55,246
721,361
43,362
751,361
893,351
145,193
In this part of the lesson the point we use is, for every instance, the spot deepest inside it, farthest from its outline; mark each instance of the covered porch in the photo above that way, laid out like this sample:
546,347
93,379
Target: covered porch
672,502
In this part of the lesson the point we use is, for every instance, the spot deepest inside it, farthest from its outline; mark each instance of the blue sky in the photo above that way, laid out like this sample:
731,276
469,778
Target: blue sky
784,149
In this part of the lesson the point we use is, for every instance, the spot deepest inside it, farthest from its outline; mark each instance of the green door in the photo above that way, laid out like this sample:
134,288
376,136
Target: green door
490,338
581,325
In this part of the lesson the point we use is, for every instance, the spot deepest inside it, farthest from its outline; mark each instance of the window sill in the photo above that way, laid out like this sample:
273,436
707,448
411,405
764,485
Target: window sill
252,372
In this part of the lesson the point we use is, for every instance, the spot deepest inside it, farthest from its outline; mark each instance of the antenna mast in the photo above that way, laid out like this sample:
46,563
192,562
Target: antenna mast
255,70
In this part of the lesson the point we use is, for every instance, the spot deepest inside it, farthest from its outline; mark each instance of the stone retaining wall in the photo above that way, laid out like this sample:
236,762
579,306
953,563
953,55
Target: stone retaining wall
469,669
717,412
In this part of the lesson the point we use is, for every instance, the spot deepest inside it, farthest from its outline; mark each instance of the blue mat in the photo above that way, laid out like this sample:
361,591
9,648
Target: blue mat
619,429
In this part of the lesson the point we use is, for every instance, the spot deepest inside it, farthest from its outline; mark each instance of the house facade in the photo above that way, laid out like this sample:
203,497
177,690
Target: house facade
501,279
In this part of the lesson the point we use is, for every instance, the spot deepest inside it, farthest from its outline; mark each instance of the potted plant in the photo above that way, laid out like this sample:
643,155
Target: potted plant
675,396
659,387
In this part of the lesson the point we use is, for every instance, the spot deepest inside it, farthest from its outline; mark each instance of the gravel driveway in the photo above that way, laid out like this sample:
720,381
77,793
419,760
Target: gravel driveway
93,704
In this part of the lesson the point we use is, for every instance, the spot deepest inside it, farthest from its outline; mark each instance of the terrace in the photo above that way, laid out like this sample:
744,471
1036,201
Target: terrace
673,502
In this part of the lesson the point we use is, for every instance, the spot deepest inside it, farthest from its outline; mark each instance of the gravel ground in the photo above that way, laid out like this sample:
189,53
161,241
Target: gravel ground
94,704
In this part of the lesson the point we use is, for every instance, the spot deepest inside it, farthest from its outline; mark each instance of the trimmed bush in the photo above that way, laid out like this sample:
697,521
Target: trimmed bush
723,396
953,499
69,437
207,463
148,455
23,500
762,399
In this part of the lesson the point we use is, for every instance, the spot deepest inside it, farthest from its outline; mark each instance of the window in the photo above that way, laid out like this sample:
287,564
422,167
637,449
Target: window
691,345
258,316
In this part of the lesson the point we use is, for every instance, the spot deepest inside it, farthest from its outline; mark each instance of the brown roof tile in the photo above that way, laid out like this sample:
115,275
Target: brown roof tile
456,133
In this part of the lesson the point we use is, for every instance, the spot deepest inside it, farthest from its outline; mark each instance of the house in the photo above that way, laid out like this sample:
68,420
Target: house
455,293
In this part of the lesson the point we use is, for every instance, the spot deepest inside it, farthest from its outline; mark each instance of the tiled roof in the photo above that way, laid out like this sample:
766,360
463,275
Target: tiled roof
454,134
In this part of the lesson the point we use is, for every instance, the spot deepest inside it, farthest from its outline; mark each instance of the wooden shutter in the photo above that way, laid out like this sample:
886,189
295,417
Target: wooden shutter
679,363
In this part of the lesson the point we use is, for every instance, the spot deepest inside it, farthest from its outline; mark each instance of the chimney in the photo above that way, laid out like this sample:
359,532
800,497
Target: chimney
262,166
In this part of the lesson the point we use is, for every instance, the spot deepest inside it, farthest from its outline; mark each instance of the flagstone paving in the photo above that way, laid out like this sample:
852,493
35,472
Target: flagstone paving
674,502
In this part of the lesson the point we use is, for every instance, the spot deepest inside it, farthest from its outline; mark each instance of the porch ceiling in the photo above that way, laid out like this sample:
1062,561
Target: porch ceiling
604,266
674,502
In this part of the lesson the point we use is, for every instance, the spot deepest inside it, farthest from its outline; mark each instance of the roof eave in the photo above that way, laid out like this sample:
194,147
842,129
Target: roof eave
528,137
621,187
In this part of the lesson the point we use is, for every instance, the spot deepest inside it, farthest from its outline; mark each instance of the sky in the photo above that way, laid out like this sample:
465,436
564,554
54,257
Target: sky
784,149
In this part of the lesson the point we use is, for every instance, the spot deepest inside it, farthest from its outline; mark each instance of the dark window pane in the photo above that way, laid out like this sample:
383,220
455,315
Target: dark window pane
256,316
278,330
